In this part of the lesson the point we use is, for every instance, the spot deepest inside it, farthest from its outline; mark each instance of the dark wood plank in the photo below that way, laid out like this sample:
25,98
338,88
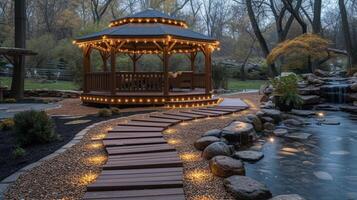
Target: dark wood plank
132,135
158,120
138,141
192,116
146,124
136,129
139,149
141,171
212,111
171,117
148,194
200,113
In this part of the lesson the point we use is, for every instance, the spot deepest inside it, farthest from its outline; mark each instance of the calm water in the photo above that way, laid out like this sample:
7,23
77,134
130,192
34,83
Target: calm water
322,167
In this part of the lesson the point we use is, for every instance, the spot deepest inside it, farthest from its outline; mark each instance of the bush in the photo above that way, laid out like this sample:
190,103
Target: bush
9,100
33,127
115,110
104,112
286,89
18,152
7,124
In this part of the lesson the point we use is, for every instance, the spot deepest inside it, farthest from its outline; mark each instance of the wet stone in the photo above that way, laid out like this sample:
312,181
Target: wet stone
297,135
240,132
203,142
213,132
251,156
216,149
280,132
288,197
245,188
224,166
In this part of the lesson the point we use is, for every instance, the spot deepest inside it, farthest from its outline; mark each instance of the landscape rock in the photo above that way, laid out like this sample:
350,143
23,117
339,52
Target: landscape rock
328,107
238,131
321,73
216,149
273,113
269,126
330,122
352,97
310,99
298,135
213,132
288,197
292,122
304,113
267,119
353,87
203,142
224,166
245,188
251,156
280,132
255,120
351,109
310,90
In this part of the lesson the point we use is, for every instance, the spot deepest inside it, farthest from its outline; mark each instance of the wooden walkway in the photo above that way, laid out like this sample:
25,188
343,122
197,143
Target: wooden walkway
141,165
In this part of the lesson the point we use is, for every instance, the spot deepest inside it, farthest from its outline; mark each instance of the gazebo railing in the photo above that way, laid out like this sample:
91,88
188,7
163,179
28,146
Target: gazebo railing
139,81
98,81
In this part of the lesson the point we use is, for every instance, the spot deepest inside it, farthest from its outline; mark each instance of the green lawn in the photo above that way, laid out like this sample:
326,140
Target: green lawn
234,84
33,84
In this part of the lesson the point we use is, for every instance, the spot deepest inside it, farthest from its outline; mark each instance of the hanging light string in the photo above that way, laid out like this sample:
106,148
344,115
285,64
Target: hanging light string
168,21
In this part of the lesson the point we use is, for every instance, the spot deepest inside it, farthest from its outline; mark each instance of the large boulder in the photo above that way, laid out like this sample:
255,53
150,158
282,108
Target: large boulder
224,166
292,122
352,97
238,131
353,87
216,149
310,99
255,120
273,113
303,113
203,142
251,156
288,197
245,188
321,73
213,132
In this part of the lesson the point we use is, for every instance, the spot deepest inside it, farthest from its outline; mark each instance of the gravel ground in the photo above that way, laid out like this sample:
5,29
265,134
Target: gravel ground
66,176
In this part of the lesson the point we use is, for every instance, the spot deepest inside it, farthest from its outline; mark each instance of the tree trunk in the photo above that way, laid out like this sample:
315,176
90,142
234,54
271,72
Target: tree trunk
259,35
316,23
18,76
346,31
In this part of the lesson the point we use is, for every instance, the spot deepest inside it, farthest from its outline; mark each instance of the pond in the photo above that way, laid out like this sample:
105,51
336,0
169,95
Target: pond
321,167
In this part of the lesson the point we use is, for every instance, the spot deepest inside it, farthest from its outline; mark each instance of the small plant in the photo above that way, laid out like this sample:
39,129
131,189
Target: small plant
115,110
33,127
18,152
286,93
9,100
7,124
104,112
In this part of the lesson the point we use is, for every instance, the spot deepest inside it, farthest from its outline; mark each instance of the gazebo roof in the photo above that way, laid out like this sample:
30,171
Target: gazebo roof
147,32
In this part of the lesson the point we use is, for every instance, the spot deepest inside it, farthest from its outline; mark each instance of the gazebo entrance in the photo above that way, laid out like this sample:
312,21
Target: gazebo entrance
147,32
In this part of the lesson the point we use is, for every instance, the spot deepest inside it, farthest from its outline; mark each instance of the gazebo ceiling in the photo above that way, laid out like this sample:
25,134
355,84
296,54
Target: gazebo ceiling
148,32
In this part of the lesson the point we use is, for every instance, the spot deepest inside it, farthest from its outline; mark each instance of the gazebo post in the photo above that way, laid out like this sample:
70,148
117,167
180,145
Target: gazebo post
134,58
86,67
165,58
104,56
193,68
112,70
208,70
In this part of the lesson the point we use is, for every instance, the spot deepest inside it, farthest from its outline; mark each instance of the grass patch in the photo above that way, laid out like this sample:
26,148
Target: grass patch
234,84
31,84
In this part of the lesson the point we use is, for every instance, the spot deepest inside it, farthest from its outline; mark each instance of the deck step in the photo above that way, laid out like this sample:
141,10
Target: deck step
157,120
135,129
171,117
148,194
212,111
136,141
135,149
132,135
146,124
192,116
200,113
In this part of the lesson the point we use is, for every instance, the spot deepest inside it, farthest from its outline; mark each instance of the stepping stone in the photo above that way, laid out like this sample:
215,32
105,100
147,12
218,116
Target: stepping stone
288,197
251,156
158,120
330,122
214,111
145,124
157,194
300,136
323,176
132,135
124,142
135,149
225,109
143,161
199,113
138,179
224,166
171,117
135,129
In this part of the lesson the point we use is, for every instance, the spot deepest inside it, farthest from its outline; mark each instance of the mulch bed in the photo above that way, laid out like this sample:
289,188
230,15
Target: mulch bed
9,164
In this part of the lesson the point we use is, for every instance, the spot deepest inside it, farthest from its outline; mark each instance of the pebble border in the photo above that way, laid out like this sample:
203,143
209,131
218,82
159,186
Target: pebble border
5,183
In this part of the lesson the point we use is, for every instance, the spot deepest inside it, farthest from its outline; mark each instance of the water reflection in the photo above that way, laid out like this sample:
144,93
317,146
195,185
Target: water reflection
322,167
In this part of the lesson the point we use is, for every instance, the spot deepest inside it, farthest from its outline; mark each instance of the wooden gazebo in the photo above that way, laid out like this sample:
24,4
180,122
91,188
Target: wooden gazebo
147,32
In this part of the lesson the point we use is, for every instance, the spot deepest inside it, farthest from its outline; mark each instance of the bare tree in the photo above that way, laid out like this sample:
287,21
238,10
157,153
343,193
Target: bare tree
99,7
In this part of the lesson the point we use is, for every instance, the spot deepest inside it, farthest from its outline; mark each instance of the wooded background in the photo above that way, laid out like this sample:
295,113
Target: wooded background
247,29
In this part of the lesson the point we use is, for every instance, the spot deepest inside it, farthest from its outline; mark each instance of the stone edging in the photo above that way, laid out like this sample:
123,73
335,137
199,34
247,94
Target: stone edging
5,183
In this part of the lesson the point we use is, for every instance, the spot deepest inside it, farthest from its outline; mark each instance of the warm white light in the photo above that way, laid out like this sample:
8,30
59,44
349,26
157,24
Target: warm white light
271,139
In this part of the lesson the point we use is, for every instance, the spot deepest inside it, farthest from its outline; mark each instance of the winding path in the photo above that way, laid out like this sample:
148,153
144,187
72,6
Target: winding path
141,165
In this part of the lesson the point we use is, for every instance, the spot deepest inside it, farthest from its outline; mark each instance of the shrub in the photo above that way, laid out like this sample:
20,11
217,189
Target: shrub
6,124
286,89
33,127
115,110
104,112
9,100
18,152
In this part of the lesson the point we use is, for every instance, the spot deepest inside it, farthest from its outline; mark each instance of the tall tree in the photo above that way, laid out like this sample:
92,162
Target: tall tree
259,35
99,8
17,84
346,32
316,23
